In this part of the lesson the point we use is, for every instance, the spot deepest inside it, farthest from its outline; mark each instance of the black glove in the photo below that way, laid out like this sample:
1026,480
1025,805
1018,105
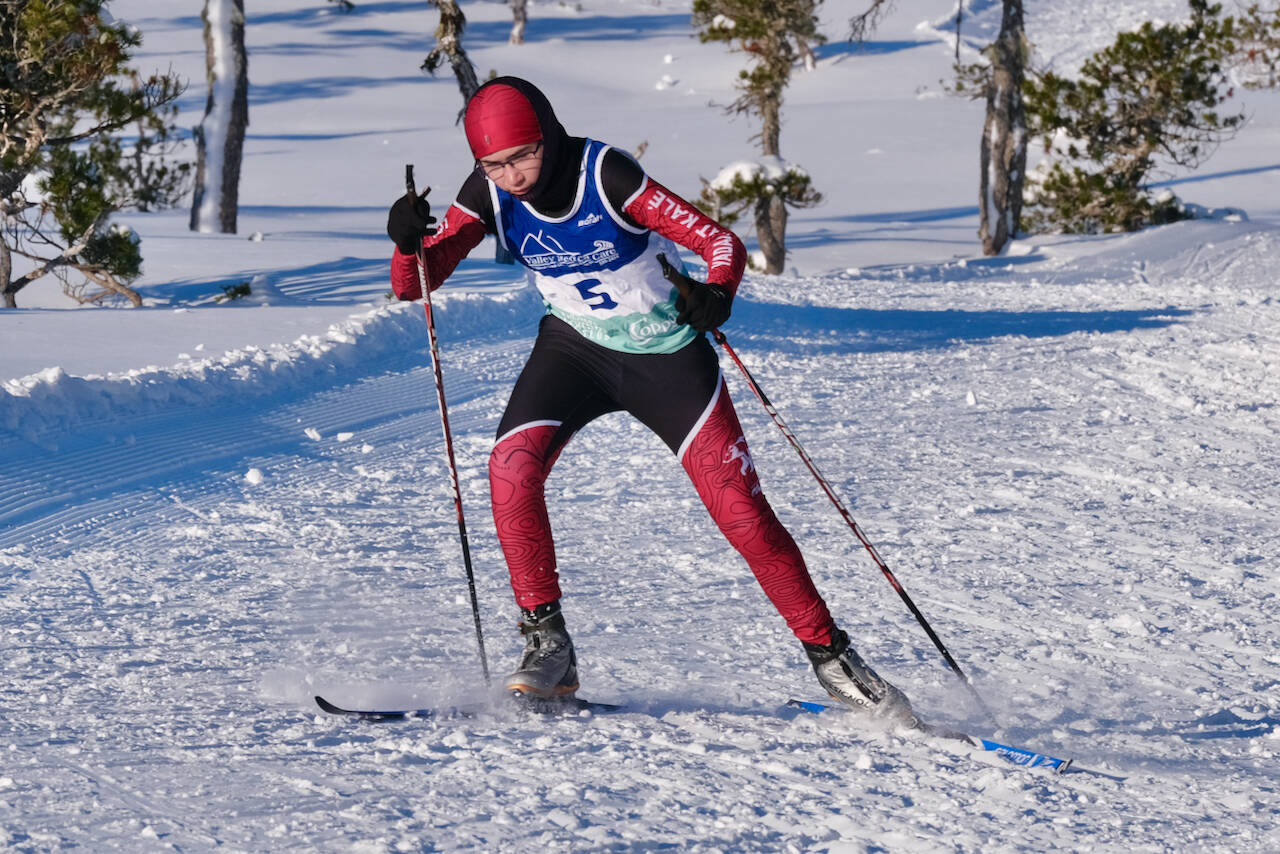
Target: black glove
409,221
702,305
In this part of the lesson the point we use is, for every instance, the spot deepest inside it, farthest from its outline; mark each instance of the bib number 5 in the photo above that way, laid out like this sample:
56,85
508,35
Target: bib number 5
592,289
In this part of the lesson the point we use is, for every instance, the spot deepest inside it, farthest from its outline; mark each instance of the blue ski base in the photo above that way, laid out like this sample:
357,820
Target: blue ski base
1016,755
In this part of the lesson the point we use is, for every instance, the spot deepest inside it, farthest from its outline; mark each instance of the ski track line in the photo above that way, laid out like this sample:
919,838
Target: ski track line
88,470
153,811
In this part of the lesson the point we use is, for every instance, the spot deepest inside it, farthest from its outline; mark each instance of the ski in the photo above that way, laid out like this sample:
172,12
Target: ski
1016,755
537,705
575,705
397,714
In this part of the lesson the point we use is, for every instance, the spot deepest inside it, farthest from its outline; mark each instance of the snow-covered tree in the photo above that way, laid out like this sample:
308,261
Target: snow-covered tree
770,32
1003,151
220,137
67,94
753,185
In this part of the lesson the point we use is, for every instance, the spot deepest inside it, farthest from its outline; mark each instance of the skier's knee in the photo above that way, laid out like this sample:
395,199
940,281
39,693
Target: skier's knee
517,464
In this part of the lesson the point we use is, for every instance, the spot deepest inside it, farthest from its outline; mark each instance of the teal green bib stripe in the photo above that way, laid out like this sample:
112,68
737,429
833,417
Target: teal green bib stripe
654,331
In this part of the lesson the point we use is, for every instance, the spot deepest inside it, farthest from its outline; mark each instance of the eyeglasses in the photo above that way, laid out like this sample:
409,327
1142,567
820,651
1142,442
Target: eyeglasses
521,162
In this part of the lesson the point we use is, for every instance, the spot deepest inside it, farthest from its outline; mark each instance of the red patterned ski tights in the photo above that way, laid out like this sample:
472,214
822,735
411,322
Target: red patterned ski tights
722,471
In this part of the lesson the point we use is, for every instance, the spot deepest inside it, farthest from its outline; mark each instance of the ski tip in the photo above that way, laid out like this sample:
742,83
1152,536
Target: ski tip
326,706
369,714
805,706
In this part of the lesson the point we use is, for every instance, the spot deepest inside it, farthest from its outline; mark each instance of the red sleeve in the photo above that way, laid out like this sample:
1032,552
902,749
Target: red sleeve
458,233
657,208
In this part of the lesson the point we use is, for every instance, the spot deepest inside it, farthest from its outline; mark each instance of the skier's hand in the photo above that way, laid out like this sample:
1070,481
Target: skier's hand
702,305
706,308
409,221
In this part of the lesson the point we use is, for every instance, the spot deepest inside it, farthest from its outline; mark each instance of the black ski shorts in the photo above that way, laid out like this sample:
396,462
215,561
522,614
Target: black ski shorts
571,380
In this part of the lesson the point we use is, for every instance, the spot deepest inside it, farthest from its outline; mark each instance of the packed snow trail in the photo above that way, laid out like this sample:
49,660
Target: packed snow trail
1067,457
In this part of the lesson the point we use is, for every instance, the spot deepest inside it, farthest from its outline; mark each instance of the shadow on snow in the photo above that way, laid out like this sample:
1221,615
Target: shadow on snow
792,328
1213,176
868,48
343,281
924,215
849,330
595,28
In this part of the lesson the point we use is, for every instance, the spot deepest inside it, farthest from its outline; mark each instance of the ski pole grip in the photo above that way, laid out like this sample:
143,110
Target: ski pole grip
410,190
682,282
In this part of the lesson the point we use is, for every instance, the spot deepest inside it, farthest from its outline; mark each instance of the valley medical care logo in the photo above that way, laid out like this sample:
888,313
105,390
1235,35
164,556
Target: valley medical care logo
542,252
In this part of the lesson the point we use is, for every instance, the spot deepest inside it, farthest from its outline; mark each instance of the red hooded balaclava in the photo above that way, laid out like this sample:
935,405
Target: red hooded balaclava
510,111
499,117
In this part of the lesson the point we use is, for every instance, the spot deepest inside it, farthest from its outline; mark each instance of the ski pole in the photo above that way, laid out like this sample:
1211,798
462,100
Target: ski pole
682,284
448,434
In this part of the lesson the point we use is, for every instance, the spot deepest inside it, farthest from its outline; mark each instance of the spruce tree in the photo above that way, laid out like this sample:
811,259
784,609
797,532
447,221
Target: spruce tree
771,33
1257,60
1151,97
67,96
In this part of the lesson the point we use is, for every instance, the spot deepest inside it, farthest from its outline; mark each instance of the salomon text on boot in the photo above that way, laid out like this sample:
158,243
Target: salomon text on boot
850,680
549,667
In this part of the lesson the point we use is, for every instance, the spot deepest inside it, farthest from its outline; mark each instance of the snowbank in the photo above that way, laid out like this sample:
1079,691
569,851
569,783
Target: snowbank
53,401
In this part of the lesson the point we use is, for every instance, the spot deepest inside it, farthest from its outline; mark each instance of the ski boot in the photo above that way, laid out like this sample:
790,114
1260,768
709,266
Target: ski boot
851,681
549,667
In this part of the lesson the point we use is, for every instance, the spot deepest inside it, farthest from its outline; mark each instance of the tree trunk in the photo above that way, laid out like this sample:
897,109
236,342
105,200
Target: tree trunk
220,137
771,211
6,272
110,285
1004,136
519,20
803,48
771,232
807,57
10,181
449,43
771,126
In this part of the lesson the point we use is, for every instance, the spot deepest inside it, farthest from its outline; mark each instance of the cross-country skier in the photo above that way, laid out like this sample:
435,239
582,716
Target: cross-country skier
589,224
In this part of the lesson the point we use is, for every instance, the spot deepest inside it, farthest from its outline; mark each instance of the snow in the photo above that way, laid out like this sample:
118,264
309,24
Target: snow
771,167
210,511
